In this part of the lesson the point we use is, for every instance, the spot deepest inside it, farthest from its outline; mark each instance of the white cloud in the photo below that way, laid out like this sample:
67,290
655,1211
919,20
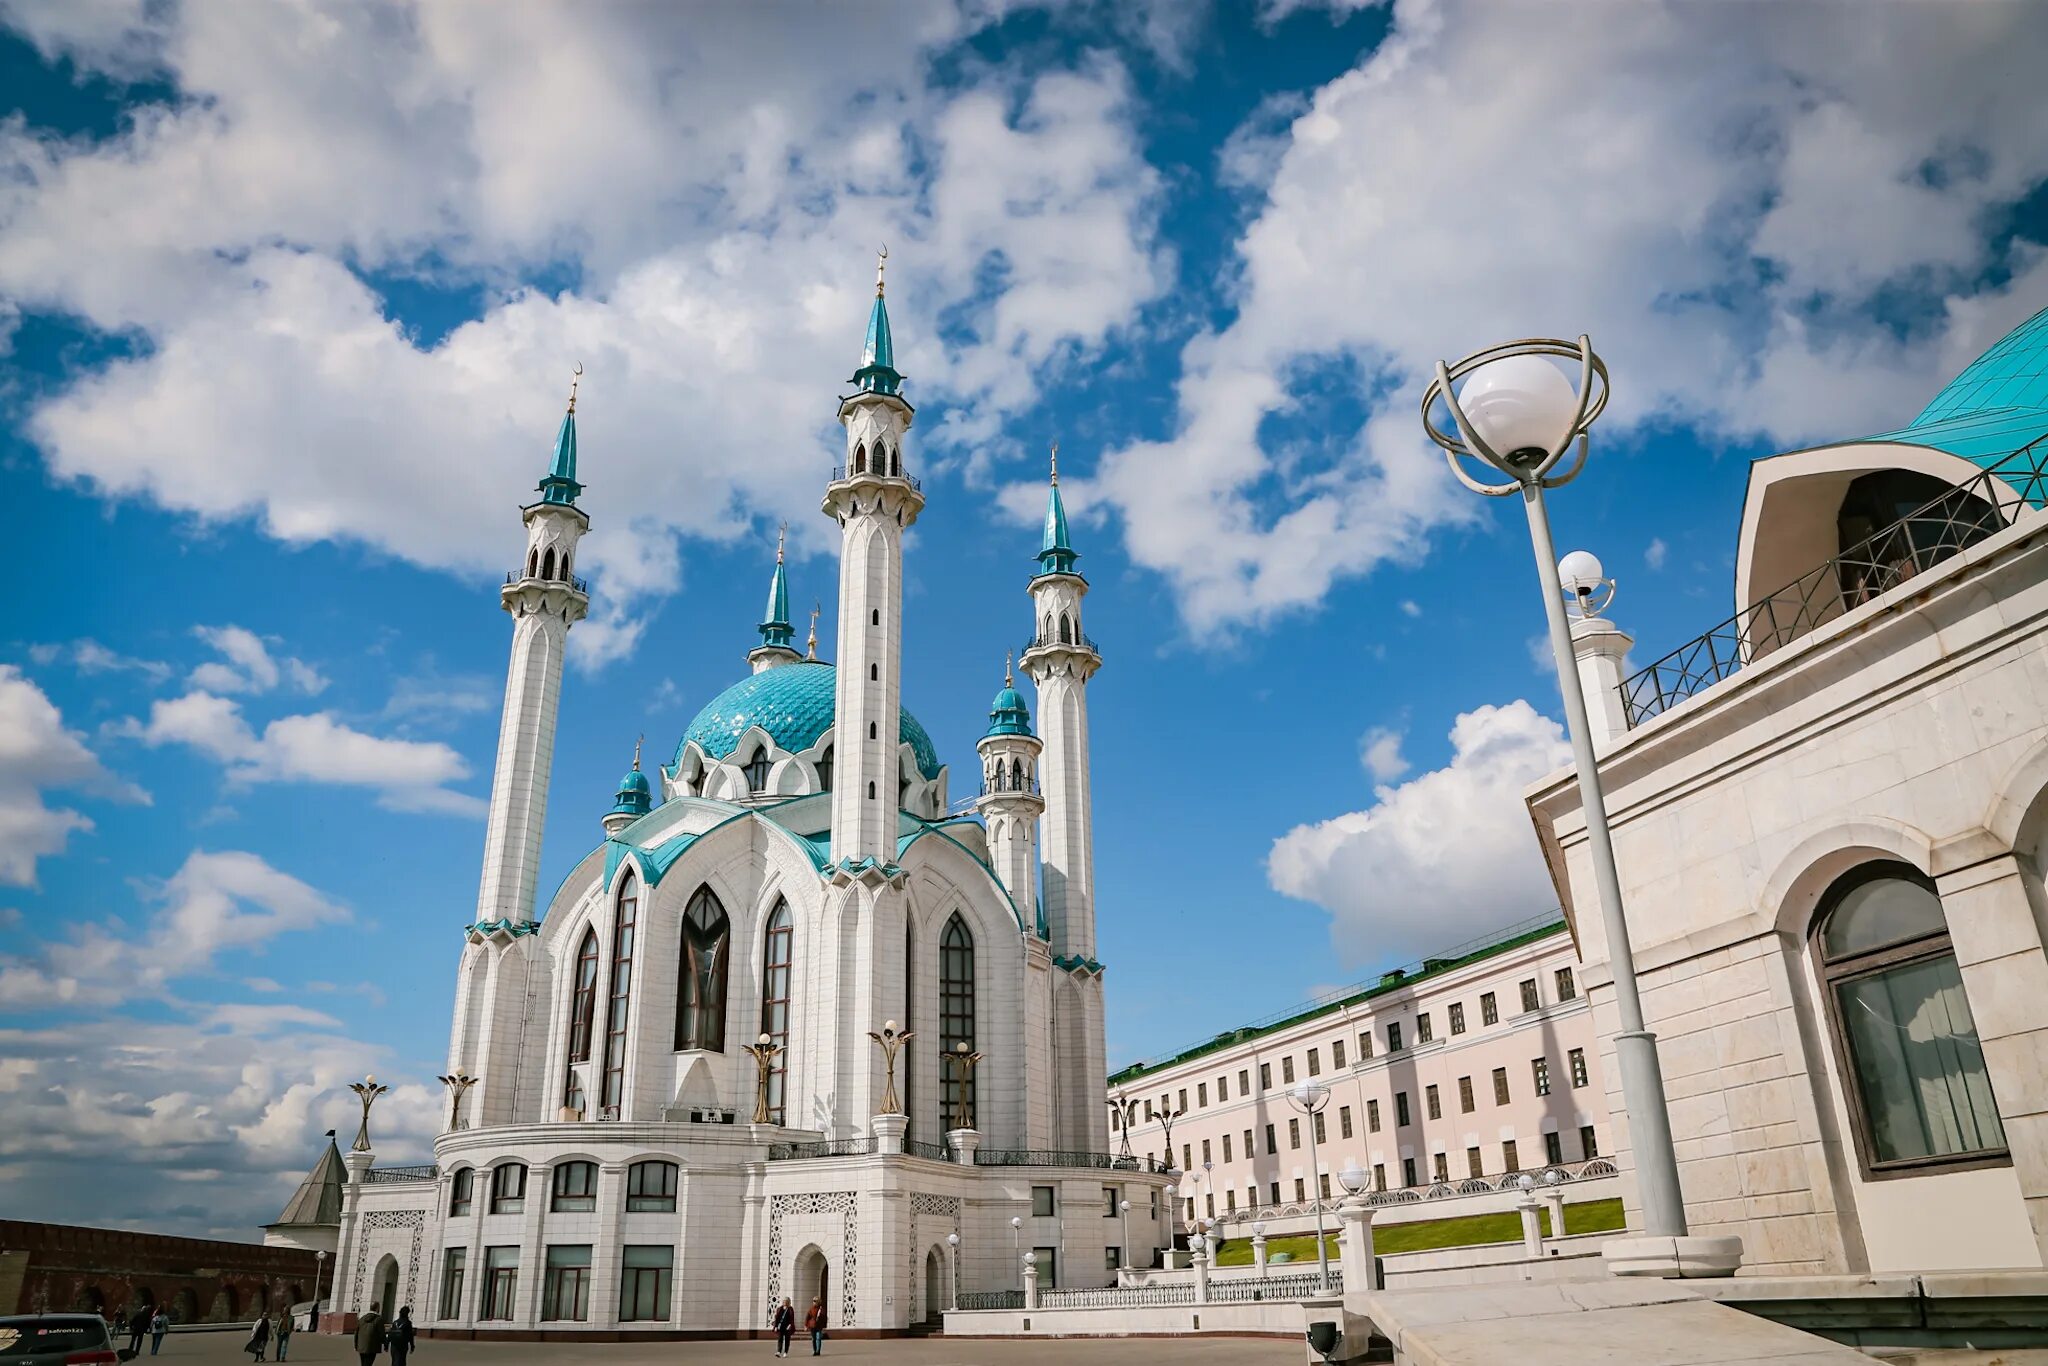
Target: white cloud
37,754
407,775
1380,751
247,666
1443,857
1656,552
91,658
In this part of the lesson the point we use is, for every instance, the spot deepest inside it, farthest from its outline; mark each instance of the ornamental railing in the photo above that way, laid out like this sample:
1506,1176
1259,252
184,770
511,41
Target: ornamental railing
1556,1175
992,1299
1046,1157
1247,1289
1071,640
580,585
835,1147
1979,507
1118,1297
839,473
425,1172
936,1152
1029,785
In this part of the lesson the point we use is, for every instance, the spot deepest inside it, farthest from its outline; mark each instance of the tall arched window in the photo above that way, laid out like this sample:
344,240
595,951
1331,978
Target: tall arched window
860,459
582,1018
1919,1095
700,1007
532,562
956,1019
613,1092
775,992
824,767
1066,630
547,564
757,771
910,1022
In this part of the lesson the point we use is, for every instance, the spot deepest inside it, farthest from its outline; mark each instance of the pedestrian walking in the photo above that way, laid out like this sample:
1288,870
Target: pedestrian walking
283,1333
369,1336
401,1336
138,1329
259,1338
814,1324
159,1324
785,1326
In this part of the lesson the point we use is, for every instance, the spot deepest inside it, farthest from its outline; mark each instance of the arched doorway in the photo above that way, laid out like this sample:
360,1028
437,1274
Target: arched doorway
812,1280
188,1306
387,1286
938,1289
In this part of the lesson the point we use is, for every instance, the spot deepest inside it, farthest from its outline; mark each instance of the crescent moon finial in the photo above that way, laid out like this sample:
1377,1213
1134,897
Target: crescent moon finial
881,260
576,378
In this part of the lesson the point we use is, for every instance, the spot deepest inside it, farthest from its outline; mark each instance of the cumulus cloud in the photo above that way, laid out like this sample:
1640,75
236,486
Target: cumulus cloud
1380,751
1443,857
37,754
91,658
246,664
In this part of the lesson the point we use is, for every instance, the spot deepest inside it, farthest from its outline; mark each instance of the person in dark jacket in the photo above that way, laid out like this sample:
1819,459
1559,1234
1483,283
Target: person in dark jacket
138,1329
369,1335
785,1326
401,1336
259,1339
814,1324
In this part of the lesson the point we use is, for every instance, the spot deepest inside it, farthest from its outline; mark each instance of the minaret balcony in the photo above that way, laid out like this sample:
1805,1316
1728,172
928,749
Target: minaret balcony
574,584
1074,641
840,476
1027,788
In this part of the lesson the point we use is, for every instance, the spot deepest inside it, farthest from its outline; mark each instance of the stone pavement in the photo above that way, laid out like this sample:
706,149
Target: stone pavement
222,1349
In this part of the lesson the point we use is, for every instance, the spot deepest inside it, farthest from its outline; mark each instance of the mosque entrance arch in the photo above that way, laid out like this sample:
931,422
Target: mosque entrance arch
812,1279
387,1286
936,1286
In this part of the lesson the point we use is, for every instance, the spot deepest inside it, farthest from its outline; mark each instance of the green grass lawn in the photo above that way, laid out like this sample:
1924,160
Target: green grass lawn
1471,1230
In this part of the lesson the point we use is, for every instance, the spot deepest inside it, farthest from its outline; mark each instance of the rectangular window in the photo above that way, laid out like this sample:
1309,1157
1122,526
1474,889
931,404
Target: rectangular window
1394,1037
451,1282
1540,1068
501,1282
1509,1161
1201,1095
565,1288
1148,1112
1249,1150
508,1189
1209,1204
1041,1202
1287,1069
1424,1031
1589,1147
1112,1258
461,1189
1109,1199
1457,1017
1293,1133
1322,1134
1565,989
1400,1109
1251,1194
1465,1095
1530,1000
1226,1147
1206,1155
1271,1146
1577,1058
1300,1190
1222,1089
1344,1121
1474,1165
1489,1009
1443,1167
1155,1203
1315,1062
1230,1201
1265,1076
1379,1176
1407,1171
1553,1148
1275,1193
1183,1107
1365,1043
1323,1185
1500,1086
575,1188
1372,1116
1048,1259
1336,1052
1187,1158
1244,1081
651,1187
1430,1104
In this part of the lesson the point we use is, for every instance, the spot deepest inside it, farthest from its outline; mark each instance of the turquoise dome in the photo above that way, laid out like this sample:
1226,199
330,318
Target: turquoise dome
794,704
634,795
1008,715
2012,374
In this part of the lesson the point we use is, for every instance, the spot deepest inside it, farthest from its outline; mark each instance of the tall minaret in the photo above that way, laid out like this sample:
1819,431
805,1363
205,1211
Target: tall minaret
1060,660
1010,804
873,502
776,632
544,600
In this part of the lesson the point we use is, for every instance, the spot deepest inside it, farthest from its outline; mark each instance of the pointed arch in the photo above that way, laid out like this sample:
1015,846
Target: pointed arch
777,963
700,1005
1066,630
547,564
956,1021
860,457
532,562
625,920
582,1018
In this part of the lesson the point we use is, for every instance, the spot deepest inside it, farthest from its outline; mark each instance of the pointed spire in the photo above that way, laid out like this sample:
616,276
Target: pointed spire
638,741
811,645
1055,552
635,796
560,486
775,628
877,373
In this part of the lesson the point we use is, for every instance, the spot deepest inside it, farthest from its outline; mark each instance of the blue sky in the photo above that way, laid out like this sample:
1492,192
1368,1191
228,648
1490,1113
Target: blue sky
289,298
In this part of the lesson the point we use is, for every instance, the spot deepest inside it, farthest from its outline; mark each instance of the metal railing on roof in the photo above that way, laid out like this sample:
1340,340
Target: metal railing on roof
424,1172
1973,510
836,1147
839,473
580,585
1045,1157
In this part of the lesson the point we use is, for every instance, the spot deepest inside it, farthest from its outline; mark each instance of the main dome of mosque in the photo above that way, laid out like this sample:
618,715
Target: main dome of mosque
794,704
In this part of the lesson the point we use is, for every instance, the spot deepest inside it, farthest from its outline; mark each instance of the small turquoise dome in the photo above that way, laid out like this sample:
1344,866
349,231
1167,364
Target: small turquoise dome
794,704
1008,715
634,794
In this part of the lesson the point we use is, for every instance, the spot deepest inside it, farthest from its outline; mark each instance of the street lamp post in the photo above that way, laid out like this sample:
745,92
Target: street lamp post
319,1267
1017,1245
1124,1209
1517,412
1310,1097
953,1243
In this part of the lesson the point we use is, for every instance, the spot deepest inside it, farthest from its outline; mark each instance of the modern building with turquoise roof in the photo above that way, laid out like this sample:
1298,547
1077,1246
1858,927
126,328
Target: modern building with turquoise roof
800,1024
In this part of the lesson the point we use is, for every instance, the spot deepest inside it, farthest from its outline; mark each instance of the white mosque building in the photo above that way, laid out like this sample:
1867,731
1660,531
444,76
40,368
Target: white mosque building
668,1106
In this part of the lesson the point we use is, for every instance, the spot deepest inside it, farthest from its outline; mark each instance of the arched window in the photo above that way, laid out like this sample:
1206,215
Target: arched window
871,730
874,673
860,459
613,1092
875,617
910,1022
532,562
1066,630
565,564
582,1018
651,1186
824,767
575,1188
1016,775
775,992
1911,1065
461,1190
547,564
871,791
700,1008
757,771
956,1020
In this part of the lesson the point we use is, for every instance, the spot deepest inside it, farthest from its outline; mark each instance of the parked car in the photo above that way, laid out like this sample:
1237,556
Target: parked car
57,1340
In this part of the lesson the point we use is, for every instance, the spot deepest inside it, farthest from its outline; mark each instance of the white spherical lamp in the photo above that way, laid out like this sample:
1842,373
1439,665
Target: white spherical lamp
1521,406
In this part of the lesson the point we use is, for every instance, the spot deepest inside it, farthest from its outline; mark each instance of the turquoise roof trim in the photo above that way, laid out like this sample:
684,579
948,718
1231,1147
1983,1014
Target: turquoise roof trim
1074,963
515,928
903,843
877,373
794,704
560,486
1056,552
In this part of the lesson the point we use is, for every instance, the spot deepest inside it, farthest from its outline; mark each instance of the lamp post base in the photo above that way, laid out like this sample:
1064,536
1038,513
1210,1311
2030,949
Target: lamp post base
1672,1258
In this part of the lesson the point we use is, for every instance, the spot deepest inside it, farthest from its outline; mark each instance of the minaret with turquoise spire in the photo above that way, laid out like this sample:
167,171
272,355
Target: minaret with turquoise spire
776,632
874,503
1061,659
635,797
1010,804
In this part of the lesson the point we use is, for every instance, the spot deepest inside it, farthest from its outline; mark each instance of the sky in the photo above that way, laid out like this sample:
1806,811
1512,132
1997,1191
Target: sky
290,295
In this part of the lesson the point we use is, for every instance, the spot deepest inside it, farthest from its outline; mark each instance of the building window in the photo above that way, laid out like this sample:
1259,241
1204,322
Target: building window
824,767
1273,1189
1400,1109
1222,1089
1187,1158
1379,1176
1914,1072
1589,1147
700,1006
1344,1121
1407,1171
1577,1058
501,1282
1148,1112
565,1285
1041,1202
1271,1146
1566,989
645,1279
452,1267
1201,1095
1530,1000
775,964
1372,1116
1540,1067
1293,1133
1206,1157
1509,1161
1315,1063
1336,1052
1430,1104
508,1189
1265,1076
757,771
1500,1086
1109,1196
1182,1108
1226,1147
1300,1190
625,915
1048,1259
575,1188
1323,1185
1465,1095
1112,1258
651,1187
1553,1148
1249,1151
1457,1017
956,1023
1423,1032
1364,1043
1287,1069
1244,1081
1209,1204
1489,1009
1322,1134
1474,1165
582,1018
1443,1167
461,1189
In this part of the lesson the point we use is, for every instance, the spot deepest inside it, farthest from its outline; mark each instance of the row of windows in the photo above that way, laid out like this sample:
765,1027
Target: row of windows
646,1283
650,1185
757,769
543,567
1425,1032
888,459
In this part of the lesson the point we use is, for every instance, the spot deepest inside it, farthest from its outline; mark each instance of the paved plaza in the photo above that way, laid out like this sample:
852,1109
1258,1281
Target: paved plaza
218,1349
